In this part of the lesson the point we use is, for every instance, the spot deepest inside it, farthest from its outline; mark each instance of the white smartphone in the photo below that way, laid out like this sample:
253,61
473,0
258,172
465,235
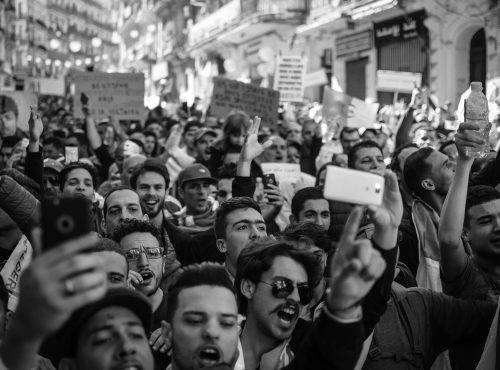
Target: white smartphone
71,154
353,186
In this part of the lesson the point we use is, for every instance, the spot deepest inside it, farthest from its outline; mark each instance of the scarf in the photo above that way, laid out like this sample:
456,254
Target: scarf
195,223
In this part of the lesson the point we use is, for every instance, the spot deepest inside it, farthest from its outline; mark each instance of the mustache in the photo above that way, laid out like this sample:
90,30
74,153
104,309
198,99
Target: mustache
288,303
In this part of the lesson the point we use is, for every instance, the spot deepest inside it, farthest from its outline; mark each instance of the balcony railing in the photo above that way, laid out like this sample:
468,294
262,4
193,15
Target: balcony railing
249,7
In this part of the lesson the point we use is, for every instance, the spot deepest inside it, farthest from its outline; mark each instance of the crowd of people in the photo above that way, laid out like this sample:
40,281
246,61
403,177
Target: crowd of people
189,262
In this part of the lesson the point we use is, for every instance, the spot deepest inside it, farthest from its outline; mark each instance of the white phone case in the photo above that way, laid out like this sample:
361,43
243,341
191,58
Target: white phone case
353,186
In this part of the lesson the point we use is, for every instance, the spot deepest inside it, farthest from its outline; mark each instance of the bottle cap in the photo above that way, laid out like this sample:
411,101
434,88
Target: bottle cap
476,86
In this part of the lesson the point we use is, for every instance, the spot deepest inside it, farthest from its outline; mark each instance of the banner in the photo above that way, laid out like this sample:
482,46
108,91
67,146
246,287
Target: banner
18,103
15,265
110,94
289,78
231,95
403,82
316,78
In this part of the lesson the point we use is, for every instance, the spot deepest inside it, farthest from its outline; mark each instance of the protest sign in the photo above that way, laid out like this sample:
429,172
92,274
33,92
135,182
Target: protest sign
282,171
48,86
19,103
253,100
316,78
15,265
289,78
110,94
398,81
341,110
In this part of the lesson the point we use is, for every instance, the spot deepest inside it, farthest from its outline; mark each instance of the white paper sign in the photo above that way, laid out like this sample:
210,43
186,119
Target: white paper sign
316,78
110,94
282,171
289,78
364,114
398,81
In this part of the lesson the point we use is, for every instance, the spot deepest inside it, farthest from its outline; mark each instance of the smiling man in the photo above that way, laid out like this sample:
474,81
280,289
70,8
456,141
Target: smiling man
194,189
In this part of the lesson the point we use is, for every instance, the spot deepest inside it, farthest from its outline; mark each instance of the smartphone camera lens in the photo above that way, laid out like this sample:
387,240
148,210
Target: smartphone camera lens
65,224
377,188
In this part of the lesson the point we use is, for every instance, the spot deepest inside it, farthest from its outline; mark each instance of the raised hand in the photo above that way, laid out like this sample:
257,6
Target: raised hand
468,136
174,139
355,267
391,210
35,125
274,196
252,148
158,342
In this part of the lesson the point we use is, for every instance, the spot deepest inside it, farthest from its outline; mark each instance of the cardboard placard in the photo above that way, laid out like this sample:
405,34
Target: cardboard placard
282,171
341,110
110,94
289,78
229,95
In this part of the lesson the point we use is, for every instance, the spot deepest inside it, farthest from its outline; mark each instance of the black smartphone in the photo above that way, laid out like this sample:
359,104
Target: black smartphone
64,219
269,179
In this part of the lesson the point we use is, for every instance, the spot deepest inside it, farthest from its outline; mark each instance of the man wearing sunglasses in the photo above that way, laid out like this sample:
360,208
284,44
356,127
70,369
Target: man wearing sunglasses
51,169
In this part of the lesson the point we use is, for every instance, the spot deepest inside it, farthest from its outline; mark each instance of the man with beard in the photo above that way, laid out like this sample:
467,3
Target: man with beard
141,242
151,182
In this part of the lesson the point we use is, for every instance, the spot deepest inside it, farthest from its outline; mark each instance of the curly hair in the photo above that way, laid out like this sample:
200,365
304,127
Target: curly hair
130,226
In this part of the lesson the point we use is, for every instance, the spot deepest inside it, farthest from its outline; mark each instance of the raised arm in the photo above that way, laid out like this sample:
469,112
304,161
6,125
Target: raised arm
451,222
34,159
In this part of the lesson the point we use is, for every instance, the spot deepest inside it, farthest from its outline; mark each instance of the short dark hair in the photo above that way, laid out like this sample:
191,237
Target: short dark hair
206,273
109,245
258,257
477,195
118,188
295,144
395,164
416,169
55,141
347,130
150,133
446,144
10,141
226,208
151,165
302,196
63,175
227,171
129,226
351,157
308,231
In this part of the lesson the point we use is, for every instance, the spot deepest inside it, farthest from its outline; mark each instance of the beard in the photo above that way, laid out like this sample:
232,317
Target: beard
152,210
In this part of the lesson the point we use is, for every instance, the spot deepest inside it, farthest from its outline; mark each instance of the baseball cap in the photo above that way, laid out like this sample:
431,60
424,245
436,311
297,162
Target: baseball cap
53,165
121,297
204,131
195,172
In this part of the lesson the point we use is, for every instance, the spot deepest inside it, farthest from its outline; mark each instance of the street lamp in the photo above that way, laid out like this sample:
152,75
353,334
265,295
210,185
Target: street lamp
55,44
75,46
96,42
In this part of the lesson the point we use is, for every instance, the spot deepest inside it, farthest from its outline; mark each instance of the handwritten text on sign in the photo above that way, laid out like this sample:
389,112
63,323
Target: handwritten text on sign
110,94
289,80
253,100
282,171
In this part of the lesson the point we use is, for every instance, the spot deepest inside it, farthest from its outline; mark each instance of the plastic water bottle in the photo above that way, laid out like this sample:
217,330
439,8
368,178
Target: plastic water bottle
476,110
259,191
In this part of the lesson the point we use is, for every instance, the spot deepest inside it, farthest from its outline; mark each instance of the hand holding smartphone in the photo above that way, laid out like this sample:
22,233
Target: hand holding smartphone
64,219
353,186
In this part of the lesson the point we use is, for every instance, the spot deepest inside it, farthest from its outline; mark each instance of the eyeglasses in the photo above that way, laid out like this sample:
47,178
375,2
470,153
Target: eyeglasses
134,253
284,287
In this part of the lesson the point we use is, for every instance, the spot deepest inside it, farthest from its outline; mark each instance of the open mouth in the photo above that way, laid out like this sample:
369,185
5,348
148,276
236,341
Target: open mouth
208,356
129,367
146,275
288,314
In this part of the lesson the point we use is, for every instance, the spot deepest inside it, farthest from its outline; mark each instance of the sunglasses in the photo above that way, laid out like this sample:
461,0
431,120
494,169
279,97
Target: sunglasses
53,180
282,288
134,253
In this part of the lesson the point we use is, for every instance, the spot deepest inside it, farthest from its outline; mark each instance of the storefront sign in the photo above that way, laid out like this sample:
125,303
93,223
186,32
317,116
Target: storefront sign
215,22
289,79
353,43
253,100
401,28
110,94
398,81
